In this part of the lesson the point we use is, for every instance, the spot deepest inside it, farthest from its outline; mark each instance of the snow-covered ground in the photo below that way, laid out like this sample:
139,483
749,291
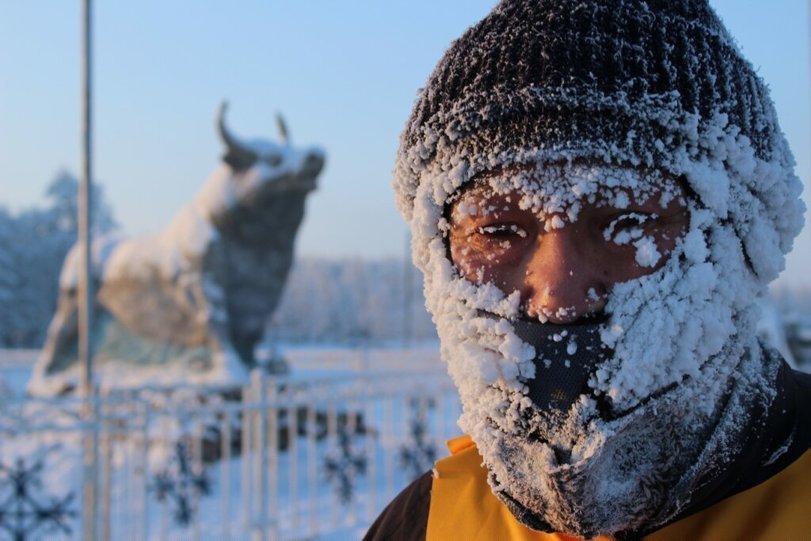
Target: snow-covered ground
359,425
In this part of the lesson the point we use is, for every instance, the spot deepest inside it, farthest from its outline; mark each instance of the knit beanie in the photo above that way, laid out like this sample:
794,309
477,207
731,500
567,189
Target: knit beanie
647,84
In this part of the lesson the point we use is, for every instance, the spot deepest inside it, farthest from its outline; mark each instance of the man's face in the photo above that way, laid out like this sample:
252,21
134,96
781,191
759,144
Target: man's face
588,425
564,261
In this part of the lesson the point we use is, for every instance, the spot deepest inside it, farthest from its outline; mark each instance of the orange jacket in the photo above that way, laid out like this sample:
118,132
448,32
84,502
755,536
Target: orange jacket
463,507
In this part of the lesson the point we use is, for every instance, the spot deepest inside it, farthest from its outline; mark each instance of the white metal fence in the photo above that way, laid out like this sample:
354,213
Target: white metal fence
283,458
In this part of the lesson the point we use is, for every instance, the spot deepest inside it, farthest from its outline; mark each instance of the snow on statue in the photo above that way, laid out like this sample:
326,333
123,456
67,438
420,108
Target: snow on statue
190,303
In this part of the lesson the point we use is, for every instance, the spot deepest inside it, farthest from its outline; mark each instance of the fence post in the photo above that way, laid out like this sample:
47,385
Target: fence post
197,468
90,472
246,448
259,381
371,453
225,464
312,466
271,413
292,451
106,456
145,469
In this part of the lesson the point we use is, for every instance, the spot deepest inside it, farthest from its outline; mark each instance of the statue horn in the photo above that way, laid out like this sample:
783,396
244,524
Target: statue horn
283,133
236,154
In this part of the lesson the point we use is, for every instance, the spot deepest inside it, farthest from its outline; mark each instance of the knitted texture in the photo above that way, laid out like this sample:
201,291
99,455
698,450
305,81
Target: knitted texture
639,83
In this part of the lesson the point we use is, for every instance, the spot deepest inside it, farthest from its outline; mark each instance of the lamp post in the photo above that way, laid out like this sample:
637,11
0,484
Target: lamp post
91,433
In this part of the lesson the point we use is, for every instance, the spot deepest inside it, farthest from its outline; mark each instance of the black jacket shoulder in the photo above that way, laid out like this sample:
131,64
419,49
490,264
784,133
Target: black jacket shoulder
406,517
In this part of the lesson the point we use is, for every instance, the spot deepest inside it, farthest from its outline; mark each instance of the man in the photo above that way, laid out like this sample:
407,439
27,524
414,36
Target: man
598,191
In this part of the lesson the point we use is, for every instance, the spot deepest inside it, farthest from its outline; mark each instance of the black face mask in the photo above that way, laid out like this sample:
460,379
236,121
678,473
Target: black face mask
565,357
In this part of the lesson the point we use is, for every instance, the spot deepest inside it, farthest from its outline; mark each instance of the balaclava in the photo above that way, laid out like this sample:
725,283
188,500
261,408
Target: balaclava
591,95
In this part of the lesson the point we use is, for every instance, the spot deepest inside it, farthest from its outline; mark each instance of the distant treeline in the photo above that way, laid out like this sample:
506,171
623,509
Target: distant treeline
352,301
328,301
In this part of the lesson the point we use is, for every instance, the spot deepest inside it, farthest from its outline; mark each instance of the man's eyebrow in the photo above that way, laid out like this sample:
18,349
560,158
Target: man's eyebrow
465,190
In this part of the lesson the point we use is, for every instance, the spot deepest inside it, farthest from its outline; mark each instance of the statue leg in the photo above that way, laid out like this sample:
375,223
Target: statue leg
60,350
225,356
245,343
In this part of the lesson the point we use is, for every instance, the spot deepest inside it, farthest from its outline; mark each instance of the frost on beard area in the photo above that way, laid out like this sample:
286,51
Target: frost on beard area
501,356
585,475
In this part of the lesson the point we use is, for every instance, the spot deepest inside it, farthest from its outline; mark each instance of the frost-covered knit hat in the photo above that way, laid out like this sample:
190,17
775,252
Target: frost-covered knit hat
589,93
652,83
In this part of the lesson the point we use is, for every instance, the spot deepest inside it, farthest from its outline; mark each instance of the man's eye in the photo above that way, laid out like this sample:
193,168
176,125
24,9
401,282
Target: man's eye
502,230
627,227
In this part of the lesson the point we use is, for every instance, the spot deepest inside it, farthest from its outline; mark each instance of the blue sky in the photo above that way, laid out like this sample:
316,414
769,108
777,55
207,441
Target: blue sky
344,74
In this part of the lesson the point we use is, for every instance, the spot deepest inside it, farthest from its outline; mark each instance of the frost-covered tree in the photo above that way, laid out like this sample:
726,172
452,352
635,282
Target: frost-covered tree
34,244
63,203
8,277
39,249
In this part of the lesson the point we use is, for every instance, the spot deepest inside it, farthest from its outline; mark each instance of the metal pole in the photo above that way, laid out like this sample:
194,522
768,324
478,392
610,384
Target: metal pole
91,435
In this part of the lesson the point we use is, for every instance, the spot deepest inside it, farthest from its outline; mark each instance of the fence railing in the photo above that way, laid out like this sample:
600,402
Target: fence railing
282,458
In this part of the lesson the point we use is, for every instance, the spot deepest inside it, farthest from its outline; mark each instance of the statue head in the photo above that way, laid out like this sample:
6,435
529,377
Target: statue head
261,184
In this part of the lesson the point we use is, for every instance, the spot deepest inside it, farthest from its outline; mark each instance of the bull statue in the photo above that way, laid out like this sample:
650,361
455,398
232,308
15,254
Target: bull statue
190,303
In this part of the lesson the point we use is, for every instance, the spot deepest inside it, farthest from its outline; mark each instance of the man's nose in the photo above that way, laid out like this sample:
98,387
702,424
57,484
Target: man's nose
563,279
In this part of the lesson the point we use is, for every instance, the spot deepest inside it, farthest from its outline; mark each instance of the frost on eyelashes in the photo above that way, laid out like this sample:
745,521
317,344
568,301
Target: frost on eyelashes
622,236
